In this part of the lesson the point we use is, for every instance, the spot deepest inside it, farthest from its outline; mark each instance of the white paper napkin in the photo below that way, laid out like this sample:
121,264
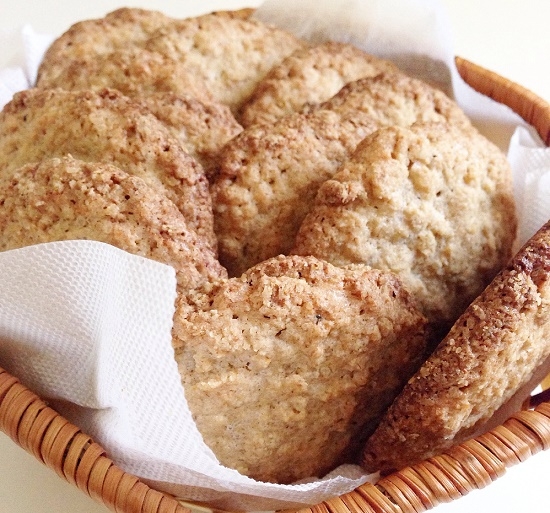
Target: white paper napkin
531,164
27,49
87,326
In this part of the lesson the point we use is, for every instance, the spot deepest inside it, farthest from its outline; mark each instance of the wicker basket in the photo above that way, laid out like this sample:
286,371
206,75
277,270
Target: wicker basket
474,464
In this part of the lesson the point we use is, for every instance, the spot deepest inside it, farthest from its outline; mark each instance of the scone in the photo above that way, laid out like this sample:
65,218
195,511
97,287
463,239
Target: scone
492,351
65,199
432,203
397,99
309,76
122,28
219,56
131,70
267,179
287,368
228,54
105,126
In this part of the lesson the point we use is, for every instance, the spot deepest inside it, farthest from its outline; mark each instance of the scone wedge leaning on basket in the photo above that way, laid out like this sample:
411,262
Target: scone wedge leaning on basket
488,364
289,367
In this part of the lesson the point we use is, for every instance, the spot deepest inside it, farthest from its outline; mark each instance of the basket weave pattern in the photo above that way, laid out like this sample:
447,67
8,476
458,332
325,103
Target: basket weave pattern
74,456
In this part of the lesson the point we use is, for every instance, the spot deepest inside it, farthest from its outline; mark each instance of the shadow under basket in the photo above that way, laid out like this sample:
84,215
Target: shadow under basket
74,456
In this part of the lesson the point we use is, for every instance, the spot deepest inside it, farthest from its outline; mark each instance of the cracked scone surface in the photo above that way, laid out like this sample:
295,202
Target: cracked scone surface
288,367
220,56
131,70
105,126
65,199
309,76
267,179
228,54
432,203
491,352
397,99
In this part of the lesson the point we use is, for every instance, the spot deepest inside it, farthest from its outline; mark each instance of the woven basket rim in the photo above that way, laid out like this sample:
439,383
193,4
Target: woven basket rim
474,464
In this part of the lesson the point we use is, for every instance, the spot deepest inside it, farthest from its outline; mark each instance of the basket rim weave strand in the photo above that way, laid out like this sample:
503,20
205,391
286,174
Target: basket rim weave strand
474,464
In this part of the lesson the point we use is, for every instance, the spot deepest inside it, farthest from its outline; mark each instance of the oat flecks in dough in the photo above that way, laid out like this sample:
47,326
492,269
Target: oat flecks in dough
219,56
105,126
179,100
491,352
432,203
268,177
397,99
131,70
309,76
121,28
67,199
229,54
202,127
287,368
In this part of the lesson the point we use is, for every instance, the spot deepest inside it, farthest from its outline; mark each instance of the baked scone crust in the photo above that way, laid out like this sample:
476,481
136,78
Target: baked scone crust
131,70
432,203
267,179
268,176
230,55
310,75
121,28
105,126
492,350
202,127
220,56
67,199
286,368
397,99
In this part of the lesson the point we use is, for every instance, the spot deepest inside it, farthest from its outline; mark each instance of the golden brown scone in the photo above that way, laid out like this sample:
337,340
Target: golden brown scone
309,76
268,177
220,55
397,99
492,351
131,70
228,54
202,127
288,366
178,99
122,28
65,199
432,203
105,126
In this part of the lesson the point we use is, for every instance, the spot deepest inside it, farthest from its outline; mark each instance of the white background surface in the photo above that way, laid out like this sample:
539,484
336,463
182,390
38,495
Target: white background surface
510,37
